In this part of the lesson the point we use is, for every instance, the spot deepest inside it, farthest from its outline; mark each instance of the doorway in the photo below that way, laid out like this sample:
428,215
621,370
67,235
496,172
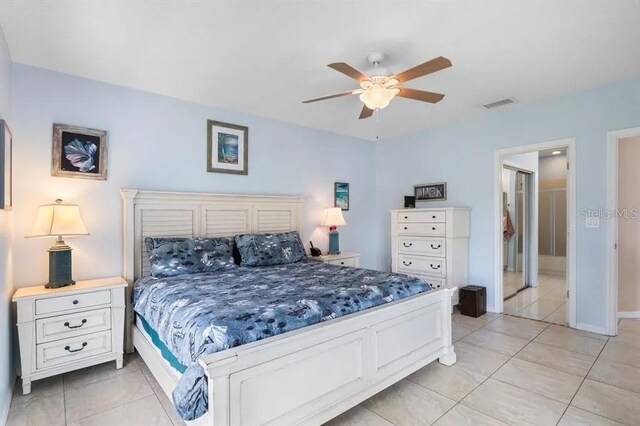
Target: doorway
623,292
534,206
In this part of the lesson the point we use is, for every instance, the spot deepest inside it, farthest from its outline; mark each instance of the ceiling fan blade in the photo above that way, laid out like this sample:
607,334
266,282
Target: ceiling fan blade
365,113
348,70
337,95
421,70
420,95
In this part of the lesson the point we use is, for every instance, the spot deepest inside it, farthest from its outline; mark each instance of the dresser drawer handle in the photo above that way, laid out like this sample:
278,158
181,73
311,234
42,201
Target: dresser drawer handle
67,348
75,302
406,228
434,267
433,228
435,247
433,217
407,264
66,324
406,217
407,245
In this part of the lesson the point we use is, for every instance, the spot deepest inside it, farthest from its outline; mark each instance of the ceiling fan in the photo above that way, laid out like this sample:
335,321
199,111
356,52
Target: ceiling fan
377,91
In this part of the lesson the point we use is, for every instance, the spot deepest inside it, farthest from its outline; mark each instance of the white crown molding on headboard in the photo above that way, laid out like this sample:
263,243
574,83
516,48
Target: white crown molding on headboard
196,214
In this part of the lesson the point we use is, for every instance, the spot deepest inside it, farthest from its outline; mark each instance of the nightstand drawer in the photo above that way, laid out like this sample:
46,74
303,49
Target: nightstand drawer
349,261
72,349
52,305
70,325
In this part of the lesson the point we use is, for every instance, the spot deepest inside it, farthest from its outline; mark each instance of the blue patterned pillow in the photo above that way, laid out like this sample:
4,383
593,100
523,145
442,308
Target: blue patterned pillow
169,257
270,249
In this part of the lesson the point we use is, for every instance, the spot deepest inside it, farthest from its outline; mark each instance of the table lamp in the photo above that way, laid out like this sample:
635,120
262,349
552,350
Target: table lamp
58,220
333,218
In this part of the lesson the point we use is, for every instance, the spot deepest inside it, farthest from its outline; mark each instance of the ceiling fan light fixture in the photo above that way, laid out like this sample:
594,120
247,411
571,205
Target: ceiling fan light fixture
377,96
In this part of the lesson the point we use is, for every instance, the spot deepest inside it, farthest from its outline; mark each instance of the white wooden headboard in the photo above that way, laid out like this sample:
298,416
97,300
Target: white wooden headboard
189,214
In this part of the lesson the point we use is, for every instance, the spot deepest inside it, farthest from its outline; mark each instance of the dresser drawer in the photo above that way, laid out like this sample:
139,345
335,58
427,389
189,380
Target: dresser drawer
52,305
434,216
72,349
436,229
70,325
422,245
349,261
422,264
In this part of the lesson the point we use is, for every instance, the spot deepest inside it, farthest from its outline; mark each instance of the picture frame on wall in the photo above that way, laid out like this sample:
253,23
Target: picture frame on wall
6,166
227,148
341,195
79,152
431,191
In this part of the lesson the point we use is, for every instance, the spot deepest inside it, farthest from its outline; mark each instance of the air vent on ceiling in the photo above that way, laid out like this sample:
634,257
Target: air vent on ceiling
501,102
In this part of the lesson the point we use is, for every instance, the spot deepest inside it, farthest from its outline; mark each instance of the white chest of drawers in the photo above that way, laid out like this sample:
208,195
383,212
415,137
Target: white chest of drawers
69,328
432,244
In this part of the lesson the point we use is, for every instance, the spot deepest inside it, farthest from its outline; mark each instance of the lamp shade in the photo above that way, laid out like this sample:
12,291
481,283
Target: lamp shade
56,220
333,217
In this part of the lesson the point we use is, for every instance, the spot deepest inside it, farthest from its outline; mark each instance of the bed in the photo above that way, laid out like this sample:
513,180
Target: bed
304,376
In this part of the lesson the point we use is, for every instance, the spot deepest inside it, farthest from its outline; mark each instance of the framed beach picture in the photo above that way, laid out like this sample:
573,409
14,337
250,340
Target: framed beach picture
227,148
6,166
431,191
79,152
341,195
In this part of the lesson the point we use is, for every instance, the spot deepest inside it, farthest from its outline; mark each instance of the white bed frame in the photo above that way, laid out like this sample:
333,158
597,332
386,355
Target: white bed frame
307,376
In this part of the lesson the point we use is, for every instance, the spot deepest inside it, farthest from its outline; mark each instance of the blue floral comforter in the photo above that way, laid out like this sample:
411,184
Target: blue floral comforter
200,314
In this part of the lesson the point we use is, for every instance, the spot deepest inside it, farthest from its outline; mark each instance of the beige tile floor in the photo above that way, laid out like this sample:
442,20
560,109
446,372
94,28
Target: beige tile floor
546,302
509,371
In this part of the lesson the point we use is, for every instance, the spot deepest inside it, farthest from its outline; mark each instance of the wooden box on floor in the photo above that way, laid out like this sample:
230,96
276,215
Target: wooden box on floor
473,301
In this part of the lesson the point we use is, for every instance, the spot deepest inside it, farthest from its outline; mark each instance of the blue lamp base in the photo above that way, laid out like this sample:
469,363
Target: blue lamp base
334,242
59,266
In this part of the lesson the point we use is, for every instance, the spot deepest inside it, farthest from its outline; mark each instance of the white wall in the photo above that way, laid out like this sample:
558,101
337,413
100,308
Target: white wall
157,142
462,154
7,372
553,167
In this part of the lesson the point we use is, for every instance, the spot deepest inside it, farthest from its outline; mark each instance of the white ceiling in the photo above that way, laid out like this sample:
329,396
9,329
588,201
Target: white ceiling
265,57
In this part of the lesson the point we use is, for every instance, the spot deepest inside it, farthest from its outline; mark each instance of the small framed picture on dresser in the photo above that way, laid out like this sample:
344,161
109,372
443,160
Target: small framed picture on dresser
431,191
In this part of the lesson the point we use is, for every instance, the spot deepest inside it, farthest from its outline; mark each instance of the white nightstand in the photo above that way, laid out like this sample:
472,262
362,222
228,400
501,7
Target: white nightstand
342,259
68,328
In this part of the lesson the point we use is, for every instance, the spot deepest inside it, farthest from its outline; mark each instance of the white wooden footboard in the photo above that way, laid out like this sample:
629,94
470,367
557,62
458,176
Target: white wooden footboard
312,375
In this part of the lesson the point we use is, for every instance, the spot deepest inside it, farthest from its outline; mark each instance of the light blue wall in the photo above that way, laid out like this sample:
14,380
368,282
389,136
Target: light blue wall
7,376
156,142
462,155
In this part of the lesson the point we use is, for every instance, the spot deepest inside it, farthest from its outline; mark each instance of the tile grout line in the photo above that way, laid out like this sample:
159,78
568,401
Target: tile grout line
582,383
154,393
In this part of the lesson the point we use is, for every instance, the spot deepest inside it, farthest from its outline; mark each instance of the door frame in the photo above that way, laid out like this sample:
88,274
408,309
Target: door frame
613,138
499,155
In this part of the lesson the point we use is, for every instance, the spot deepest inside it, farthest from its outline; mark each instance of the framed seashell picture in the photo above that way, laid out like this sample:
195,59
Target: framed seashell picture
227,148
79,152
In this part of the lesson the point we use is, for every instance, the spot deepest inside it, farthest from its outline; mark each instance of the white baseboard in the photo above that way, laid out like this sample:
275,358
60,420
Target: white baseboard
629,314
593,329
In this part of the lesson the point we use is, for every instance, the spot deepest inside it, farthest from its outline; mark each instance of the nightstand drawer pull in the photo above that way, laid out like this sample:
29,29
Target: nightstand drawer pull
75,302
407,245
68,348
84,321
434,267
435,247
407,263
